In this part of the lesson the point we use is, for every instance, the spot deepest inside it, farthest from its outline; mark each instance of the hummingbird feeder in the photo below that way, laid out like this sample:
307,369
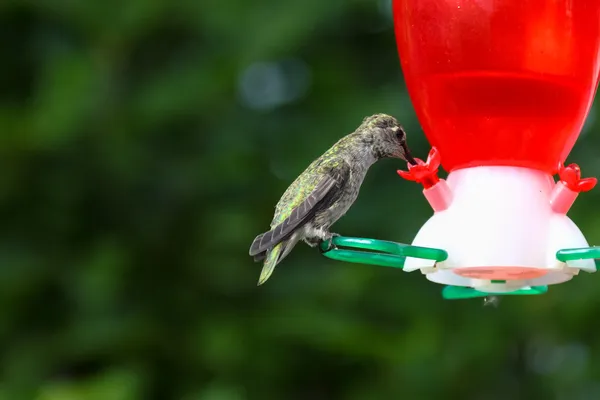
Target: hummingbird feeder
502,89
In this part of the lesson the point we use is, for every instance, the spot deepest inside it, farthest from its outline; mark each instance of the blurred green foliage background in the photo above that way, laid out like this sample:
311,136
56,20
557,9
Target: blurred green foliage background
143,145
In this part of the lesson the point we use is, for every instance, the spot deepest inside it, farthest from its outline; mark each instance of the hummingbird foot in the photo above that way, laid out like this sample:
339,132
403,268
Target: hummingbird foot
424,173
323,237
329,239
330,246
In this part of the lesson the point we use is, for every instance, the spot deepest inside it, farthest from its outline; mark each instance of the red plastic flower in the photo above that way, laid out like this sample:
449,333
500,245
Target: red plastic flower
424,173
571,177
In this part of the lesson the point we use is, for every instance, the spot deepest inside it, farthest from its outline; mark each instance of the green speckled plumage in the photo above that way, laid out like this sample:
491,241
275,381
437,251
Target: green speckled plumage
306,182
326,190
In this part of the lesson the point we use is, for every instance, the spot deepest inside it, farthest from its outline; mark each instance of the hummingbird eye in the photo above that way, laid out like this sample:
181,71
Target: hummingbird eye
400,135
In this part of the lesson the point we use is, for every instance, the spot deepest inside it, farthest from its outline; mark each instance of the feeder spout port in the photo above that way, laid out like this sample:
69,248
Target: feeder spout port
568,188
436,190
562,198
439,196
424,172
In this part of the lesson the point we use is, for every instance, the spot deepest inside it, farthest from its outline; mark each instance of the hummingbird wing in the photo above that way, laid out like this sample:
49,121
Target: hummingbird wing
323,194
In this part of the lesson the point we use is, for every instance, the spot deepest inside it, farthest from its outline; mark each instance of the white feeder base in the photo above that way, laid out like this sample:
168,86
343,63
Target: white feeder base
500,227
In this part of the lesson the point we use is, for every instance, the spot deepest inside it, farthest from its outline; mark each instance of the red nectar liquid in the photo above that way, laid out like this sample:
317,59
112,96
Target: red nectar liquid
500,82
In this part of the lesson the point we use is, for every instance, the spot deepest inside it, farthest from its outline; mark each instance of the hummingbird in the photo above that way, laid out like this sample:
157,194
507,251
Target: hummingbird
328,187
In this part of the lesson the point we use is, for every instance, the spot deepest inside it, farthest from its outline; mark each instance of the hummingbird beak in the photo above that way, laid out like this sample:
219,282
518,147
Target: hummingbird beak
408,155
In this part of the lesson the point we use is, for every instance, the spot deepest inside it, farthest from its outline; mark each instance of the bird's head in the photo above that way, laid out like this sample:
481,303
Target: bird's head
388,138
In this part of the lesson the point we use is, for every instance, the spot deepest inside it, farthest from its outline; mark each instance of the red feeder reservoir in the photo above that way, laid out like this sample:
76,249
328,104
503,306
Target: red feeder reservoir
502,89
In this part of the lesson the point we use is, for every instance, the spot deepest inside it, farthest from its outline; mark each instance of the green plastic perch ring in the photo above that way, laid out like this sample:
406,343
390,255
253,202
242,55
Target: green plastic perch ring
460,292
582,253
382,252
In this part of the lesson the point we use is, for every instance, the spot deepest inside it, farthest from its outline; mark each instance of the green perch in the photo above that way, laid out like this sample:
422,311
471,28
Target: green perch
381,252
460,292
392,254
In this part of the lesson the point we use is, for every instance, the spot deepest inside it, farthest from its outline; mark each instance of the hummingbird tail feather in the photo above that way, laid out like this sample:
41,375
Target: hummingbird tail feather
275,255
260,257
271,260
